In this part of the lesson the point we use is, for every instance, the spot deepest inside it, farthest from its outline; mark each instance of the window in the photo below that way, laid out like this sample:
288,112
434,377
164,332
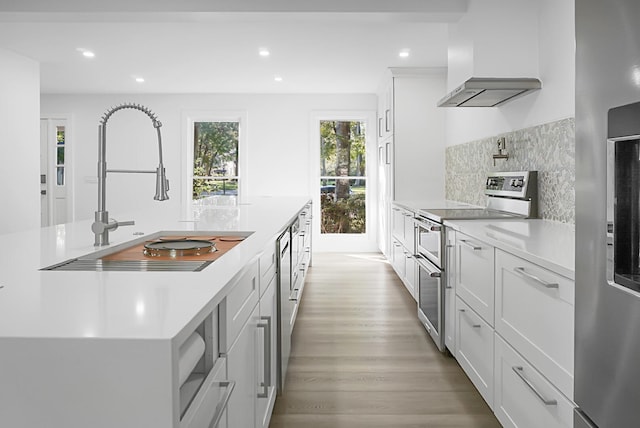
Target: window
215,158
342,177
60,149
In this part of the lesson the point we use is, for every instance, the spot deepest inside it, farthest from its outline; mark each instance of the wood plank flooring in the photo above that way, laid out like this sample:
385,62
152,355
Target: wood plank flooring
360,357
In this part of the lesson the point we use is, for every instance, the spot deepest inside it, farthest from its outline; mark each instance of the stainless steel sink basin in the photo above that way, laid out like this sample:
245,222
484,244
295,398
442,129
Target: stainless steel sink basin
95,262
130,265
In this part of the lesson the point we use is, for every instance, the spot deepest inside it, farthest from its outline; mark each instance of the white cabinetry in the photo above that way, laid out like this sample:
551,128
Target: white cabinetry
250,343
398,259
530,380
403,248
266,355
523,397
474,349
534,313
474,281
241,314
411,142
450,291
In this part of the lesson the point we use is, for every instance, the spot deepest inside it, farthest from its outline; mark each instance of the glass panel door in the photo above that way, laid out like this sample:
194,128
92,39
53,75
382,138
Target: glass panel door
342,177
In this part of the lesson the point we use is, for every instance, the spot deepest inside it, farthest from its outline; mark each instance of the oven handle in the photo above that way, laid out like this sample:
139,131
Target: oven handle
428,225
433,271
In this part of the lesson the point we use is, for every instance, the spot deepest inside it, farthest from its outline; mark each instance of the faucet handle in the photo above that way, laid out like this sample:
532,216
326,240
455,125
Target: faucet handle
100,227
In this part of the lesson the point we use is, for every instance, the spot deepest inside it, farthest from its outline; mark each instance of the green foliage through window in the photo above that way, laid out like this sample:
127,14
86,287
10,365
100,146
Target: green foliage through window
343,176
215,158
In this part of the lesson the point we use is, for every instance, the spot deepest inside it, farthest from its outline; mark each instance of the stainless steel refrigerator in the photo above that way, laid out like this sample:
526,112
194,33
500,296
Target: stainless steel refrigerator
607,302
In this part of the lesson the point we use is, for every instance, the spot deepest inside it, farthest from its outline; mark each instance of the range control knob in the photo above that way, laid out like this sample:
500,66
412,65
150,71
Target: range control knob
517,182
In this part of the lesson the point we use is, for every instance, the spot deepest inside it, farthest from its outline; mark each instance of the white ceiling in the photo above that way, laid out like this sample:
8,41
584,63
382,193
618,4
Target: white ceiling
217,52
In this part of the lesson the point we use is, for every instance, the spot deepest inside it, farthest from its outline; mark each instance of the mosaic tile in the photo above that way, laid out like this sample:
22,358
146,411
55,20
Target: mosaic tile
548,149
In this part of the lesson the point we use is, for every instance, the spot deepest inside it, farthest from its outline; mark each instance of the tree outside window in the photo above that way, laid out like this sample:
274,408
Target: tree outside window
342,177
215,159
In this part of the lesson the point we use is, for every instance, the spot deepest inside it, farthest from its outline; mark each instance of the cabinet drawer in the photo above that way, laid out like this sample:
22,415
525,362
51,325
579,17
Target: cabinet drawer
397,223
267,266
239,304
474,349
475,277
398,259
523,397
534,313
208,405
409,232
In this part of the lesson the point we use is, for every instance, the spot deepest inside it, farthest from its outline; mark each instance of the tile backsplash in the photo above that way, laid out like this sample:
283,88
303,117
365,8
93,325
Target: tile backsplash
548,149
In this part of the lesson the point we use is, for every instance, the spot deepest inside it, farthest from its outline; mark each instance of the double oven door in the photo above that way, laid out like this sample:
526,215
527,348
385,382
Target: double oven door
430,282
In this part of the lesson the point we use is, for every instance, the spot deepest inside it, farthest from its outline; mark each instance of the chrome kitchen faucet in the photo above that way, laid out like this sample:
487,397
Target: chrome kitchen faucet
102,224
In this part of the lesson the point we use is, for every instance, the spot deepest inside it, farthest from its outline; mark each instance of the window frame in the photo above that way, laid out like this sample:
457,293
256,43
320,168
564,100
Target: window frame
189,120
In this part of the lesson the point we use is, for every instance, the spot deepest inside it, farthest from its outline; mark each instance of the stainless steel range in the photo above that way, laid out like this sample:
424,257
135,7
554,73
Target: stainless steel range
510,195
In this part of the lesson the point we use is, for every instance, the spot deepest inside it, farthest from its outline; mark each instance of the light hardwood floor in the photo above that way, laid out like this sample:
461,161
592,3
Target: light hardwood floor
360,357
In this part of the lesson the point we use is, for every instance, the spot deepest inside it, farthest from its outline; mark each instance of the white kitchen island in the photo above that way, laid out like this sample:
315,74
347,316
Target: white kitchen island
100,349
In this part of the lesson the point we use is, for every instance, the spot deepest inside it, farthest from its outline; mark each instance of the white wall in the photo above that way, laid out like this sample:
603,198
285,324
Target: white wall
513,38
19,142
278,132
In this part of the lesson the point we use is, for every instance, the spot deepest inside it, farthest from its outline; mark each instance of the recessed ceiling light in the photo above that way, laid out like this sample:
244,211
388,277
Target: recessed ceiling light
404,53
264,52
86,53
139,79
278,79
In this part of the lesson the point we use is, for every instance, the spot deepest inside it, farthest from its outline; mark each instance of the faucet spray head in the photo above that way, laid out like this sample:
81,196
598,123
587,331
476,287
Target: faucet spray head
162,184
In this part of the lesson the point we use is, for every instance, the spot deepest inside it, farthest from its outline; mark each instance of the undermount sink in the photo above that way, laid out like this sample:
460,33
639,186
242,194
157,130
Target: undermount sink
129,256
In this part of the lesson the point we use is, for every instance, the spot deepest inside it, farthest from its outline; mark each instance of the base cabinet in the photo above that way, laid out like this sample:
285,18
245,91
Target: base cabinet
523,397
534,313
241,368
523,367
450,291
266,355
403,248
252,355
474,349
475,275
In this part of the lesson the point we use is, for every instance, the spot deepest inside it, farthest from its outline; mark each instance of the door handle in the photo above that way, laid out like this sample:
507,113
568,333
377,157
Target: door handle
43,192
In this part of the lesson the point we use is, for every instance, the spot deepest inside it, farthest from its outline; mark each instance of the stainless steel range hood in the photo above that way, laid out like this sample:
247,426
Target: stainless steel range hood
488,91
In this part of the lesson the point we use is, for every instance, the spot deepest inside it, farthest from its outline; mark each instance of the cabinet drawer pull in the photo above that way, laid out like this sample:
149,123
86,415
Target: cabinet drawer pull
519,370
229,384
267,357
521,271
471,245
472,325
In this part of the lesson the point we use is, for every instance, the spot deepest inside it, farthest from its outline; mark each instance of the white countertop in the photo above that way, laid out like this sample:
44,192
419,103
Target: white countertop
432,204
547,243
148,305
